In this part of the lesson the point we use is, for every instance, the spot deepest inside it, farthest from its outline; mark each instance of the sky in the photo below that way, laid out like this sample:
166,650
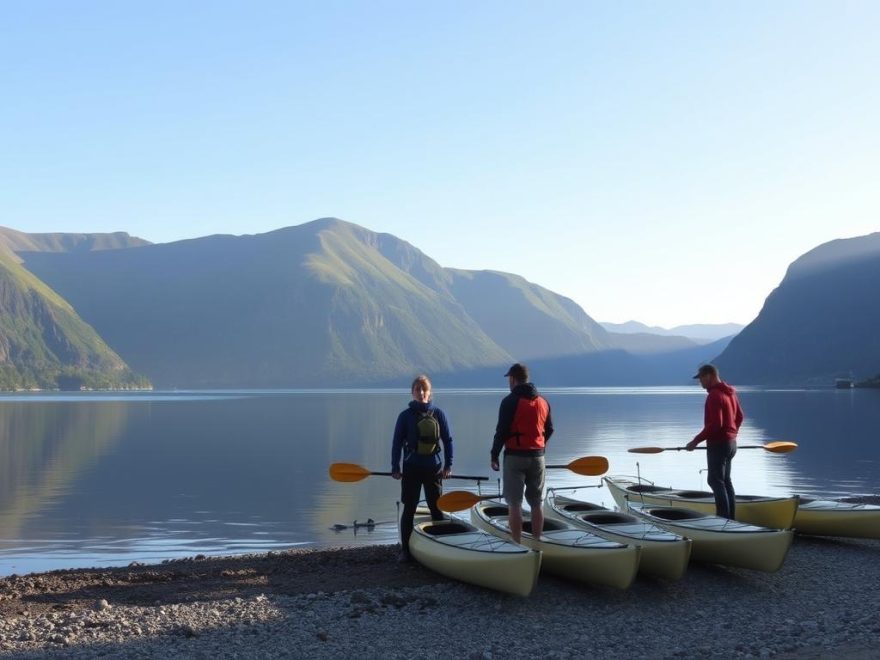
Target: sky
657,161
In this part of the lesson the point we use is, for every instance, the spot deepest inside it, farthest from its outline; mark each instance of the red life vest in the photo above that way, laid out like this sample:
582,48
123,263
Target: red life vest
527,428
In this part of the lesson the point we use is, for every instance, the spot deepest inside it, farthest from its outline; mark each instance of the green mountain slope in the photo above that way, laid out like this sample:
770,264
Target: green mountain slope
525,319
324,303
819,324
44,344
529,321
316,304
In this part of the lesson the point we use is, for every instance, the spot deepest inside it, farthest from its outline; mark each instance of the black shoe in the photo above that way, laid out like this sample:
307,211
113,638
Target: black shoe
404,558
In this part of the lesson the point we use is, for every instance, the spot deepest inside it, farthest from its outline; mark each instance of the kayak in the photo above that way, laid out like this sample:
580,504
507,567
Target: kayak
663,554
834,518
718,540
566,550
458,550
774,512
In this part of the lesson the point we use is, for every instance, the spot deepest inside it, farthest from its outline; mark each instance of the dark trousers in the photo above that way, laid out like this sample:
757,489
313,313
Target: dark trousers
719,457
413,480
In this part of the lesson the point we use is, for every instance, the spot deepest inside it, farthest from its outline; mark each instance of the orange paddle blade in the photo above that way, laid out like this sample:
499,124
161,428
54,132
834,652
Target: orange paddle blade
781,446
590,466
348,472
646,450
459,500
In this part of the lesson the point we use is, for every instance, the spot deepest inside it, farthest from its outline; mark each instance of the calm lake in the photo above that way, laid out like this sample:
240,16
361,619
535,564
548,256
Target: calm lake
107,479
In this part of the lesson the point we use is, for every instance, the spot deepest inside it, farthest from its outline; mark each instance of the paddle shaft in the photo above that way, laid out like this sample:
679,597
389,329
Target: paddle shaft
776,447
452,476
704,448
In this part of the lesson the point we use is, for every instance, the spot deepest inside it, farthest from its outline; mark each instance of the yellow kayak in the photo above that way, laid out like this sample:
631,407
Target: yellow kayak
458,550
663,553
719,540
834,518
567,551
774,512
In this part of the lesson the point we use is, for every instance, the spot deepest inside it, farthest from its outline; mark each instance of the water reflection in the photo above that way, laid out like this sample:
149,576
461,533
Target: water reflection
97,479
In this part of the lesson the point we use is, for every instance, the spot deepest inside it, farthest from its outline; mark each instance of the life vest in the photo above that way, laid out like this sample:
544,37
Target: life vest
428,429
527,428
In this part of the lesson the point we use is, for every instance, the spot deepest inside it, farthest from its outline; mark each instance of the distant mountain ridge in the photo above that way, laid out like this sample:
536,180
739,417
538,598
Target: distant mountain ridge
18,241
323,303
819,324
700,332
329,303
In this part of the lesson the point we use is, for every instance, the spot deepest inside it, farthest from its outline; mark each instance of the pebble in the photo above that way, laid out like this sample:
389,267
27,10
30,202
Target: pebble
713,612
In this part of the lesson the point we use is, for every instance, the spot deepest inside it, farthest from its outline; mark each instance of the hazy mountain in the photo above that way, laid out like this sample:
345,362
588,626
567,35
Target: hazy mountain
324,303
648,343
608,368
44,343
523,318
699,332
17,241
527,320
818,324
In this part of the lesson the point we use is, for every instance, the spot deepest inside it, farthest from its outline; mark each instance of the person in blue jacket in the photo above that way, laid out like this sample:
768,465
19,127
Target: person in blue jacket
420,436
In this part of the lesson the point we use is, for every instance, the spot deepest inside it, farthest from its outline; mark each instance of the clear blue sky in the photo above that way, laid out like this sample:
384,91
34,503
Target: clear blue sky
662,161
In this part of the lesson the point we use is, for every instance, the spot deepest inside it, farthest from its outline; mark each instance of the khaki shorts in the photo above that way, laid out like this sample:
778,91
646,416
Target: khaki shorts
523,471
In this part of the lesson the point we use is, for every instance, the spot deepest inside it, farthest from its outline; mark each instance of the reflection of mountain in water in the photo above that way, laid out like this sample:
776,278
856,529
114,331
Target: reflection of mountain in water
836,432
44,448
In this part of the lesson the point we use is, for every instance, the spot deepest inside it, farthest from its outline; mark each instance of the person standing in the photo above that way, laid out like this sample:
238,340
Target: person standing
722,418
524,427
418,434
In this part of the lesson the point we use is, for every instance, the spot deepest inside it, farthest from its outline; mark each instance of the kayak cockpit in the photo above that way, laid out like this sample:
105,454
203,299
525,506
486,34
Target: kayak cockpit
577,507
693,494
608,518
676,514
647,488
444,528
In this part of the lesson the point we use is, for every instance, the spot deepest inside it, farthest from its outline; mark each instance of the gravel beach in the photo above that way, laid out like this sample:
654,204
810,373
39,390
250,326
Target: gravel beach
359,602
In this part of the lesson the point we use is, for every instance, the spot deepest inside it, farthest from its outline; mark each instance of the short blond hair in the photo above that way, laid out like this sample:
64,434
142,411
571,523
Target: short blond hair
421,379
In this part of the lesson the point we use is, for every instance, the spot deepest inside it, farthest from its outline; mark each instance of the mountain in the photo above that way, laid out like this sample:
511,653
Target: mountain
607,368
820,323
698,332
43,342
18,241
320,304
646,343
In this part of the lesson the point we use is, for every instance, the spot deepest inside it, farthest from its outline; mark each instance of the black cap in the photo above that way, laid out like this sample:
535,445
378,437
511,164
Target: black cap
707,369
519,372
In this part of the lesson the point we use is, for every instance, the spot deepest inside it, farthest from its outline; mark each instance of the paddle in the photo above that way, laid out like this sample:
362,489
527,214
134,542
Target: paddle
778,447
590,466
349,472
458,500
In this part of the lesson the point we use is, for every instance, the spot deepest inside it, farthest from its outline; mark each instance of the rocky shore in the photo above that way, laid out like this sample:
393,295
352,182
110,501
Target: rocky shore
342,603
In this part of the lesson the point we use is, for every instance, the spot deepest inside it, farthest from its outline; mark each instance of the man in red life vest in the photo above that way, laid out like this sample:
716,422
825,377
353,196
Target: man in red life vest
524,427
722,418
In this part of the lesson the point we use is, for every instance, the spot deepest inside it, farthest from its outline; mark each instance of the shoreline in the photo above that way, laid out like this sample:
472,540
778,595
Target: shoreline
340,602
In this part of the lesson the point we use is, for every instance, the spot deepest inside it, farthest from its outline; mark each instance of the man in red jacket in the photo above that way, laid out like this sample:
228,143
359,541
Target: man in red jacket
722,418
